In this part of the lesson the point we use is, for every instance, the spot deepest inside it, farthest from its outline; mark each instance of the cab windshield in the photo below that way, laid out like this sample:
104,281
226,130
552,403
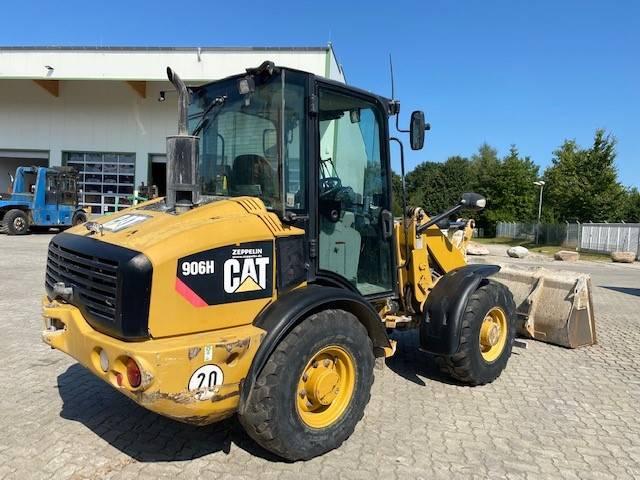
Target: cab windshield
251,139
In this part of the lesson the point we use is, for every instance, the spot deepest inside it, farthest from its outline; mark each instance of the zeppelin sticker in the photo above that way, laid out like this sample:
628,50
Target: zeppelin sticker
125,221
226,274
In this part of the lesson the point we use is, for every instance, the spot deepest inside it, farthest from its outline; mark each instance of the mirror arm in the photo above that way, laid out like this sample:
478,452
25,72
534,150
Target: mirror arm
432,221
398,124
404,200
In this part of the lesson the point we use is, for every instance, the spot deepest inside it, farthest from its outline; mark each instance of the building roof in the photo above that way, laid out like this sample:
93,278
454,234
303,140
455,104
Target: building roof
194,64
156,48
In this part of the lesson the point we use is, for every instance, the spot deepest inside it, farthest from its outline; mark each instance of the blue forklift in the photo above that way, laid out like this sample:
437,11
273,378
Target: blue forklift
41,198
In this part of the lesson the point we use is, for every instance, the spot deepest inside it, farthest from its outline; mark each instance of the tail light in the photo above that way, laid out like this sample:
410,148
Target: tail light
133,373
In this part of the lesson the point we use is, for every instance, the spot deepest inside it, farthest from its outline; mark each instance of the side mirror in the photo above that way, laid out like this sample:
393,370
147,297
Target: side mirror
416,130
473,201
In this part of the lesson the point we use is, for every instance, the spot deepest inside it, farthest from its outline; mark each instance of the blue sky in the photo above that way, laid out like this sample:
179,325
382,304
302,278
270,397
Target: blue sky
507,71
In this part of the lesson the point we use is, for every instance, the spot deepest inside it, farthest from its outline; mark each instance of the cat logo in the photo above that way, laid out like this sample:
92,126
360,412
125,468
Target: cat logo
247,272
227,274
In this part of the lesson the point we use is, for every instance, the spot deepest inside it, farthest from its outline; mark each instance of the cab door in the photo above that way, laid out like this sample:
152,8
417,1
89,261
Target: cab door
354,198
45,209
67,198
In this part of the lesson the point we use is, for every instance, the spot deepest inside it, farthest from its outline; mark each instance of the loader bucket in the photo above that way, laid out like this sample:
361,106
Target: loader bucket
553,306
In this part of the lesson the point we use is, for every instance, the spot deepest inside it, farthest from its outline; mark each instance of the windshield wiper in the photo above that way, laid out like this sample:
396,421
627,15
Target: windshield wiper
218,101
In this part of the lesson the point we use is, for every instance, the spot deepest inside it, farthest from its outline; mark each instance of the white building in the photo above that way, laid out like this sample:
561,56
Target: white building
98,108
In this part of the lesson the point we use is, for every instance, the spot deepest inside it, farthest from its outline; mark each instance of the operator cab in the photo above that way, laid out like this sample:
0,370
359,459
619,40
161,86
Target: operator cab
316,153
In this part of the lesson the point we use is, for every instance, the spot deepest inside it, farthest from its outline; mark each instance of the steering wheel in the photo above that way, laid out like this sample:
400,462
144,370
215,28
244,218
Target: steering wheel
329,185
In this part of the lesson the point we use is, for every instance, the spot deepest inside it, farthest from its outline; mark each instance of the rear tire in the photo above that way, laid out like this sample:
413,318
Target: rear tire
477,362
17,222
274,417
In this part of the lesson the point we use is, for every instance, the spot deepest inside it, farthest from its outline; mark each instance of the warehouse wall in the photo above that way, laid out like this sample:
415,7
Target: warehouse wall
92,116
103,113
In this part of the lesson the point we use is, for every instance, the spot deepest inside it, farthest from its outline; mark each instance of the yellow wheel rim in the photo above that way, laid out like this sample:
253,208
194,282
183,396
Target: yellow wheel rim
493,334
325,387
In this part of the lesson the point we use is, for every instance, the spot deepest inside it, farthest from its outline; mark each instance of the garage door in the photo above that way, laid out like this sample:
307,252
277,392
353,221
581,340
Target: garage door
12,159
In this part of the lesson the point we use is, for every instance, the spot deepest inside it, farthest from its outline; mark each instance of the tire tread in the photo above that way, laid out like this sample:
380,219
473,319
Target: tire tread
460,365
258,419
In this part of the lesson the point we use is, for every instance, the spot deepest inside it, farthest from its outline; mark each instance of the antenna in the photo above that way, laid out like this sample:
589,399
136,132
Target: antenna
393,90
394,105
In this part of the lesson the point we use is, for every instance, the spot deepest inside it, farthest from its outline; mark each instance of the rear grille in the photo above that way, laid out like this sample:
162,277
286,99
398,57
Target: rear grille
94,279
111,285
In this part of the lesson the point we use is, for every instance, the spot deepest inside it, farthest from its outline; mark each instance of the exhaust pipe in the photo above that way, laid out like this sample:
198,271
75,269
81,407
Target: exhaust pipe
183,150
183,100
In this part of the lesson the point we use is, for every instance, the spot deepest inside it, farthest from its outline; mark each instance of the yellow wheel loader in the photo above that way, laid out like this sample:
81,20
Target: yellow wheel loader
266,281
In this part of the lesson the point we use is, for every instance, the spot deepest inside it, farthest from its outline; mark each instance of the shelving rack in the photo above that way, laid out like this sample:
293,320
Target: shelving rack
106,179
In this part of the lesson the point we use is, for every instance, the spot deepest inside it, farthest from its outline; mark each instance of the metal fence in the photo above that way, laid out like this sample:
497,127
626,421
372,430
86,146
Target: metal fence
588,237
610,237
550,233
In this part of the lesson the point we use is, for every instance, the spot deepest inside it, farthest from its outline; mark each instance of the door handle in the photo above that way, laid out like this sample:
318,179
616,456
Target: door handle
387,224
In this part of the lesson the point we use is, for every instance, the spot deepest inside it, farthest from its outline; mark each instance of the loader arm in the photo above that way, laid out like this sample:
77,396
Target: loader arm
553,307
423,258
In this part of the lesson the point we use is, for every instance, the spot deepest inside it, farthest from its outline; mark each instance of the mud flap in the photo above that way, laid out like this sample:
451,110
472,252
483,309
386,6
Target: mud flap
553,306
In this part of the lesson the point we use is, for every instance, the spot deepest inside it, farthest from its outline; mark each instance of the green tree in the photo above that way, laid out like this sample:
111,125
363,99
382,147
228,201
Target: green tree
422,185
515,194
582,184
459,179
631,212
507,185
485,165
396,191
438,186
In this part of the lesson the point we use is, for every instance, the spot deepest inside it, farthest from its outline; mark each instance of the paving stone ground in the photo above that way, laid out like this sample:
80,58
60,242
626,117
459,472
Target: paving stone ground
554,413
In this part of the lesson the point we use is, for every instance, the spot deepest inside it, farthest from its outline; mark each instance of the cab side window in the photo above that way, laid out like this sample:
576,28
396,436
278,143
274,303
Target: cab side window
51,194
353,193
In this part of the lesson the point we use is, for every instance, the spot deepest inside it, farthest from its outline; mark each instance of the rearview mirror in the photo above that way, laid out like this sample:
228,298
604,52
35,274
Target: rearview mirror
416,130
473,201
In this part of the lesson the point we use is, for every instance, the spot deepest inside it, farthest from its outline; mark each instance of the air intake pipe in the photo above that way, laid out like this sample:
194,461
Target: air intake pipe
182,154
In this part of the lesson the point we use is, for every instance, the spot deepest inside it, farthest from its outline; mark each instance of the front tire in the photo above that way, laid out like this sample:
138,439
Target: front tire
486,340
17,222
78,218
313,389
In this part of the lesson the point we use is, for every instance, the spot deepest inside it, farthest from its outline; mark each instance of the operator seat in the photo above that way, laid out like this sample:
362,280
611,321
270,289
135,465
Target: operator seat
250,172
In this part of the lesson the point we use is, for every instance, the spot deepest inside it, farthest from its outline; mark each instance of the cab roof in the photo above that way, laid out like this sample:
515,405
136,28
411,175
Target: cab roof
386,102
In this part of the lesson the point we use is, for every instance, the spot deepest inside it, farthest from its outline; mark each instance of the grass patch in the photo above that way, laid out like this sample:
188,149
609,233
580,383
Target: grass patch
501,241
543,249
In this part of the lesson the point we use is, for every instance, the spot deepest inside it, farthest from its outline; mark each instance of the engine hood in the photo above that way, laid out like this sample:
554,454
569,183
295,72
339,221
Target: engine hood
194,288
148,225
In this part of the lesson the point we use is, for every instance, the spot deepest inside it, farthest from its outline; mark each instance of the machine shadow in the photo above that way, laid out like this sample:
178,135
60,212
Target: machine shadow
139,433
628,290
412,364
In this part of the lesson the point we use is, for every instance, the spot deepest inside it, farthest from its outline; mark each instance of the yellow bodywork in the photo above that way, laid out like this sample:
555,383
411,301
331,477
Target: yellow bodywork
166,364
183,337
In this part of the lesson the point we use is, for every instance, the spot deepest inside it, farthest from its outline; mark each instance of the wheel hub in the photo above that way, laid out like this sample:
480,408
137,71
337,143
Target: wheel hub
18,223
493,334
490,333
325,387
